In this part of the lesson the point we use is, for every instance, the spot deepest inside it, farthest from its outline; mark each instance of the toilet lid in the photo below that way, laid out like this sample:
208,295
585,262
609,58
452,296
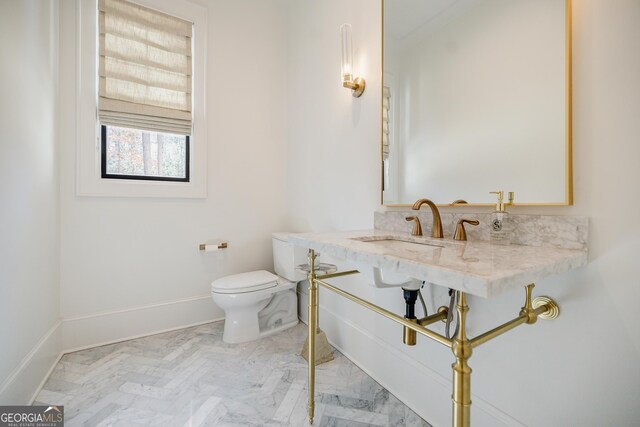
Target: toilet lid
244,282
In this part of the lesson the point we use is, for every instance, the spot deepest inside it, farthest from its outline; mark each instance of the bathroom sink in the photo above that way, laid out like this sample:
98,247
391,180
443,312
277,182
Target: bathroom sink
388,278
389,258
396,244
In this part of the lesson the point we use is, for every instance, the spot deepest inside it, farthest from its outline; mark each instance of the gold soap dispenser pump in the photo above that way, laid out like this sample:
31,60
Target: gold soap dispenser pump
500,222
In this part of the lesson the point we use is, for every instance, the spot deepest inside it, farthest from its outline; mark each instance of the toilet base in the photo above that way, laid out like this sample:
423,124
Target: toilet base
247,332
279,313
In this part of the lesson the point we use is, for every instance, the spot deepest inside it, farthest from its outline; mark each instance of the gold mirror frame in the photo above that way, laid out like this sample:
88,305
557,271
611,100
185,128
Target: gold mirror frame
568,119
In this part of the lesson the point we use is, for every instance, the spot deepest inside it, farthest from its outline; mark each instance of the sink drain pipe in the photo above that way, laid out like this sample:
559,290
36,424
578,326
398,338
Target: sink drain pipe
410,298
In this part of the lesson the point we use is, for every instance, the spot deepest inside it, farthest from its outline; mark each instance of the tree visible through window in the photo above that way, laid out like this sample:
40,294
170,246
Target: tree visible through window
137,154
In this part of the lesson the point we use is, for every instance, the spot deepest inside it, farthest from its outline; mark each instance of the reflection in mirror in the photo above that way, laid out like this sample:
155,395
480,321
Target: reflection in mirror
476,98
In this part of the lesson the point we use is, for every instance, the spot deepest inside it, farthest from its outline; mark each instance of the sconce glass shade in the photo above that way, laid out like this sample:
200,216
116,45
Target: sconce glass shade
347,53
357,84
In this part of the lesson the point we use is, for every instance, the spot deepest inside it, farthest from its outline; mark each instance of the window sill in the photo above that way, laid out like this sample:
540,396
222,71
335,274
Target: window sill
104,187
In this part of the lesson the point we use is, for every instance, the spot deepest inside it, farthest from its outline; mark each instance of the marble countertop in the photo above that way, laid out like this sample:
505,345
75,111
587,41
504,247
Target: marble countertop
476,267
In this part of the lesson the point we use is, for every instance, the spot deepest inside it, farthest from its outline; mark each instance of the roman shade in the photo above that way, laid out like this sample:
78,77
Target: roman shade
386,110
145,68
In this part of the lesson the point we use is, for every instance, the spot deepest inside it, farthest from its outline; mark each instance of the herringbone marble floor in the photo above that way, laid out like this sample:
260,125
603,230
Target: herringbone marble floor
191,378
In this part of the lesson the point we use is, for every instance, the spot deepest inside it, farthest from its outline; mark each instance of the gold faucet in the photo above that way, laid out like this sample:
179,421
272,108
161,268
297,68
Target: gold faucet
461,233
436,229
417,228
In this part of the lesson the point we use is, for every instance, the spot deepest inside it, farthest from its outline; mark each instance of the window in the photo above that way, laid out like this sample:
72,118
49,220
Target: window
144,92
390,150
386,132
145,134
137,154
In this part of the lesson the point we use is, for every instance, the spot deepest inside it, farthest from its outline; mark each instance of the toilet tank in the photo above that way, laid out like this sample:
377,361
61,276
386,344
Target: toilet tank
287,256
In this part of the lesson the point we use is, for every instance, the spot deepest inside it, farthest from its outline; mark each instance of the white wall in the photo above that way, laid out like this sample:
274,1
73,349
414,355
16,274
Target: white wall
333,138
132,266
29,218
580,369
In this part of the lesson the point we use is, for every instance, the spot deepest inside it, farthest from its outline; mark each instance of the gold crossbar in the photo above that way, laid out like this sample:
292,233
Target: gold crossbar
389,315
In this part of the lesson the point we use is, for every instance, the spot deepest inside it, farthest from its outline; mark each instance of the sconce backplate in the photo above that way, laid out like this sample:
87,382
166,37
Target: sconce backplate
360,85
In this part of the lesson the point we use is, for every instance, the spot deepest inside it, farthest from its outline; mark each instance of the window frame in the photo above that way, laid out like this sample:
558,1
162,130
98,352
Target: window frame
89,179
103,162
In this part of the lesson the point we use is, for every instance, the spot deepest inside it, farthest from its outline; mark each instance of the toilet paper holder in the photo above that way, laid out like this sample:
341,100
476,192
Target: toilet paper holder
207,247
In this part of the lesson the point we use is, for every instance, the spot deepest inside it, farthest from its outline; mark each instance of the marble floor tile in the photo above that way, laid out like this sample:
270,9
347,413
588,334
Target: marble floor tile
192,378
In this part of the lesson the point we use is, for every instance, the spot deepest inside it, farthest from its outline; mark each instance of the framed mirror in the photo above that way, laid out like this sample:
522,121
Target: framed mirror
476,98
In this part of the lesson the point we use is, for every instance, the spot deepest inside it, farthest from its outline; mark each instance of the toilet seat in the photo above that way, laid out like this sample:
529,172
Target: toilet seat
244,282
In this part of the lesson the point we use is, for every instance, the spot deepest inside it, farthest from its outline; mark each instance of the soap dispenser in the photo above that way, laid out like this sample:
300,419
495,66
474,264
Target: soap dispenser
500,224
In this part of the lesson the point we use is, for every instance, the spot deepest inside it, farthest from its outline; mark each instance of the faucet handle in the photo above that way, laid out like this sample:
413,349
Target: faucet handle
417,228
461,233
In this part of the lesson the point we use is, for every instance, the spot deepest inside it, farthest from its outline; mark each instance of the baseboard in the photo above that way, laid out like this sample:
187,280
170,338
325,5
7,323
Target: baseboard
82,332
21,387
425,391
93,330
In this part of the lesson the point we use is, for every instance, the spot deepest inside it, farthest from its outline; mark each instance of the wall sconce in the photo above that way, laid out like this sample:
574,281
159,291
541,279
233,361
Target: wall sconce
358,84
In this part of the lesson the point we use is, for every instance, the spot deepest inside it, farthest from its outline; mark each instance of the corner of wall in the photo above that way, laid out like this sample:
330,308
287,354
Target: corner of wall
25,382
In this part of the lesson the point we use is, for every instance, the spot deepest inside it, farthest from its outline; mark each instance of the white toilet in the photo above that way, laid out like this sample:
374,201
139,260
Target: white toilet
259,303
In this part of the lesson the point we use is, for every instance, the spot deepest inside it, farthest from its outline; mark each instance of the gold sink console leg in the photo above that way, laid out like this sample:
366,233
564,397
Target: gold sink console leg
313,313
461,348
